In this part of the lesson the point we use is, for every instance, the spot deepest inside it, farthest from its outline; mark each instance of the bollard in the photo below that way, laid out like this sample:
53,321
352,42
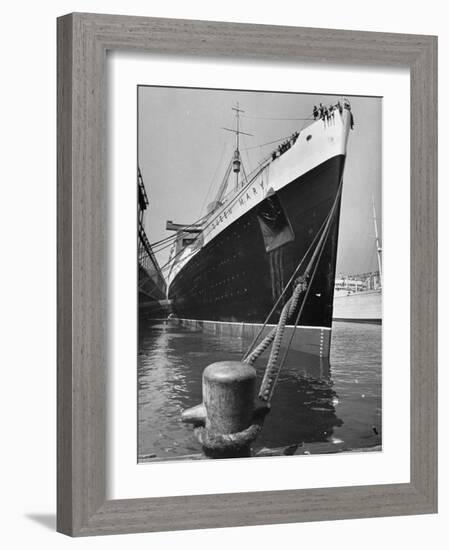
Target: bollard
195,415
230,417
229,390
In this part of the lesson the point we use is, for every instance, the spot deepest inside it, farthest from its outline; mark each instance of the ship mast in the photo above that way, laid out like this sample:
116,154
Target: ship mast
237,161
378,247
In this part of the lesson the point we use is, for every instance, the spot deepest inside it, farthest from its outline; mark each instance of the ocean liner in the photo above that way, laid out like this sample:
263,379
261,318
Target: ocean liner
228,271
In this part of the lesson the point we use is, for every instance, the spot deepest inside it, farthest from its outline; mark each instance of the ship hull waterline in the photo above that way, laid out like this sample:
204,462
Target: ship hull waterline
232,283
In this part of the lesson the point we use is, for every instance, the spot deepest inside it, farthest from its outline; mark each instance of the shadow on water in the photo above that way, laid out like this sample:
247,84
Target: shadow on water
313,402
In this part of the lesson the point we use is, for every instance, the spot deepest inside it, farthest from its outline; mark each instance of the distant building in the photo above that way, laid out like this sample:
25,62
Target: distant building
358,282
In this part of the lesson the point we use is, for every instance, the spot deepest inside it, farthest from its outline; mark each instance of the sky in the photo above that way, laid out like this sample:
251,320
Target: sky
183,153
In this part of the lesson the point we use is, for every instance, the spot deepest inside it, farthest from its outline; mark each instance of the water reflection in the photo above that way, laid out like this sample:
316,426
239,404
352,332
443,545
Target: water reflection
312,403
303,406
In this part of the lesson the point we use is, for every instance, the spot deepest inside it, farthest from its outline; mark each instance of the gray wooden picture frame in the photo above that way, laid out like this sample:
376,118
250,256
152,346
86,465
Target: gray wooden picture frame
83,40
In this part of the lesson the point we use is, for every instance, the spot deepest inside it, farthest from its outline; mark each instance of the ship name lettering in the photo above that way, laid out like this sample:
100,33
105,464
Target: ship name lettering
241,202
254,190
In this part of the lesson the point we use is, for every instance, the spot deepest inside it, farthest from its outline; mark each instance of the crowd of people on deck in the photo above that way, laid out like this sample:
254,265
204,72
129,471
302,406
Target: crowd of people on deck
285,146
322,112
327,114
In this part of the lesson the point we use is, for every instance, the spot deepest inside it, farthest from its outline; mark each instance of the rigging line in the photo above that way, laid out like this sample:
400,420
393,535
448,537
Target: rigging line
268,143
190,226
324,227
305,124
244,172
318,233
170,261
263,163
224,183
247,160
266,160
214,176
298,316
211,219
167,245
237,196
166,265
321,245
187,227
172,237
207,217
309,285
371,260
163,242
274,118
169,238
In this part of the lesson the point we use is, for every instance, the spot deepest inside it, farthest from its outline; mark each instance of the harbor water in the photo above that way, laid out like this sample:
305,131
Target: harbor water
318,406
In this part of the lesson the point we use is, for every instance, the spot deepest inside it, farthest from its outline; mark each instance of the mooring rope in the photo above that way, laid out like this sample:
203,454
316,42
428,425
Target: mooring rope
275,336
287,311
287,286
219,443
272,371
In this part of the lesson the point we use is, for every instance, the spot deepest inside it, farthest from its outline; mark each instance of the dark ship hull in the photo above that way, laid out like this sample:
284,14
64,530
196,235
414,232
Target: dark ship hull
234,278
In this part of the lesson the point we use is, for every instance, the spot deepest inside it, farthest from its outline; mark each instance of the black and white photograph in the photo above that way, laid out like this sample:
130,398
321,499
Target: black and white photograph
234,231
260,274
